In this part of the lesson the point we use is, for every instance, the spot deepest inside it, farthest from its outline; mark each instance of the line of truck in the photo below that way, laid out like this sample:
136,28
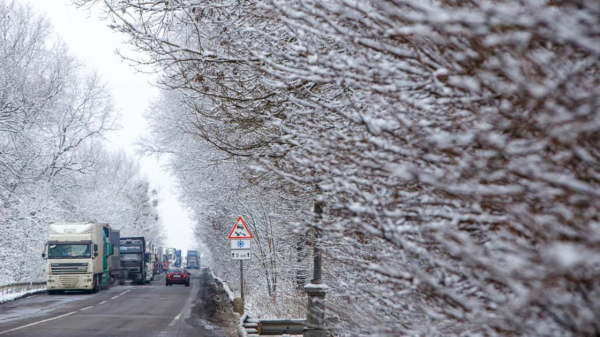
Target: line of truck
93,256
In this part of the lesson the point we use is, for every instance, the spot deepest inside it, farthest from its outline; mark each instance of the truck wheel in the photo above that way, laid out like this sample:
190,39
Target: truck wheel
96,285
167,284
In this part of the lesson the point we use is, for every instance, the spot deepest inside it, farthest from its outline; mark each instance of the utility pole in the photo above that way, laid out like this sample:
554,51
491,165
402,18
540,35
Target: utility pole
318,210
316,289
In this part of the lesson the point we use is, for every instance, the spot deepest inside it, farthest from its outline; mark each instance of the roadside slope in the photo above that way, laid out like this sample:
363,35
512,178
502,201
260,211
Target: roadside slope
212,313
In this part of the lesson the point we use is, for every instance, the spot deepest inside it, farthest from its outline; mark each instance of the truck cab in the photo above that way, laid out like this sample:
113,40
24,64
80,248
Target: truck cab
193,259
133,258
75,254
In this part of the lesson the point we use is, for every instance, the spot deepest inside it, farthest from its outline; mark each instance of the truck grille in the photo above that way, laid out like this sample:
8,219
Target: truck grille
68,268
69,281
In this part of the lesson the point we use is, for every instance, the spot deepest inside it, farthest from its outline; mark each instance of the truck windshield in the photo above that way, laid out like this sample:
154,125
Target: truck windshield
131,257
69,251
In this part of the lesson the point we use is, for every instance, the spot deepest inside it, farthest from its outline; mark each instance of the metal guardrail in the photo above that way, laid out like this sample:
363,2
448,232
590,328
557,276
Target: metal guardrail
26,288
21,284
255,326
281,327
264,327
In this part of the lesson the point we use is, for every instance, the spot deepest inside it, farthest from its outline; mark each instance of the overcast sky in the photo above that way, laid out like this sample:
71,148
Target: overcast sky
90,40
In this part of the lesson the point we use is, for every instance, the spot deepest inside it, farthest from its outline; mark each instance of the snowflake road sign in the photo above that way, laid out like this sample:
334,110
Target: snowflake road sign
240,244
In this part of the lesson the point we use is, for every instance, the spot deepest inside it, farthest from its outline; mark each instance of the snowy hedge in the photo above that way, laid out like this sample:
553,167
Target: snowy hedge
455,144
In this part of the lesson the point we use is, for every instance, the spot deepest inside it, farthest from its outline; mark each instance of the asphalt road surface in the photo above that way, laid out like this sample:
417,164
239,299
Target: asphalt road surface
130,310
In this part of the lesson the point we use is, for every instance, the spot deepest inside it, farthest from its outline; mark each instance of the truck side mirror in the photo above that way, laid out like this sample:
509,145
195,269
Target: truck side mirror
95,248
95,253
44,256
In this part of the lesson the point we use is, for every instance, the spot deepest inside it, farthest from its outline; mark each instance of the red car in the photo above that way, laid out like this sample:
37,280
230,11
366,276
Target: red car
178,276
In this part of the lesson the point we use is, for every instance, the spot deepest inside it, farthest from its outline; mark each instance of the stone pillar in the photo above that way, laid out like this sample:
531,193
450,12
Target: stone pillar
315,313
238,305
316,290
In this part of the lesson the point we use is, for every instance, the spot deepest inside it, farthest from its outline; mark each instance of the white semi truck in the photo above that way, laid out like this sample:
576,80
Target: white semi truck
76,257
150,259
171,257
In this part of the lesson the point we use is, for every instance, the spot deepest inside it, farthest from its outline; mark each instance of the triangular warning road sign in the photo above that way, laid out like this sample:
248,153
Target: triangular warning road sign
240,230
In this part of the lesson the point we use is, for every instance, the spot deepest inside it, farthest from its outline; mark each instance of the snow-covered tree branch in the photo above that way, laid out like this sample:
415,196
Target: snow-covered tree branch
54,114
456,144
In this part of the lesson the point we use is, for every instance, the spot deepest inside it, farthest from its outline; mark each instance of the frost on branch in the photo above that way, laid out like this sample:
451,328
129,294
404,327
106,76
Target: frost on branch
54,114
456,143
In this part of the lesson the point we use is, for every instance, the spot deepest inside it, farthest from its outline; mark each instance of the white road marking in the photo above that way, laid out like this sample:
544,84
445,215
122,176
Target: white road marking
175,320
186,307
112,298
86,308
35,323
102,302
123,293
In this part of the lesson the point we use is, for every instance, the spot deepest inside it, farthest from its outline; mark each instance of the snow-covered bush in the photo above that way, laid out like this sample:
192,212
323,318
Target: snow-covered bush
455,144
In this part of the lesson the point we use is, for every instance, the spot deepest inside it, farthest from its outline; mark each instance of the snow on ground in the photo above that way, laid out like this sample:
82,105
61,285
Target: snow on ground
7,297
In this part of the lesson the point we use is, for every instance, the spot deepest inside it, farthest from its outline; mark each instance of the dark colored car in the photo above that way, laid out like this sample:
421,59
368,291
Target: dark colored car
178,276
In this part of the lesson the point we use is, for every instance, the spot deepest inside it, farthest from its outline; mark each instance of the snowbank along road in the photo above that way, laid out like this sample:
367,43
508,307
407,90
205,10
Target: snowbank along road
148,310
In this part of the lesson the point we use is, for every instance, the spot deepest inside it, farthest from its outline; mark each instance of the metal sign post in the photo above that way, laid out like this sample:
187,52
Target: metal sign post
240,237
242,280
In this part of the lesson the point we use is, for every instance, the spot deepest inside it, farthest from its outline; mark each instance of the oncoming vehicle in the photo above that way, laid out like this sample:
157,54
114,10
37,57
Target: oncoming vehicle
178,276
193,259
